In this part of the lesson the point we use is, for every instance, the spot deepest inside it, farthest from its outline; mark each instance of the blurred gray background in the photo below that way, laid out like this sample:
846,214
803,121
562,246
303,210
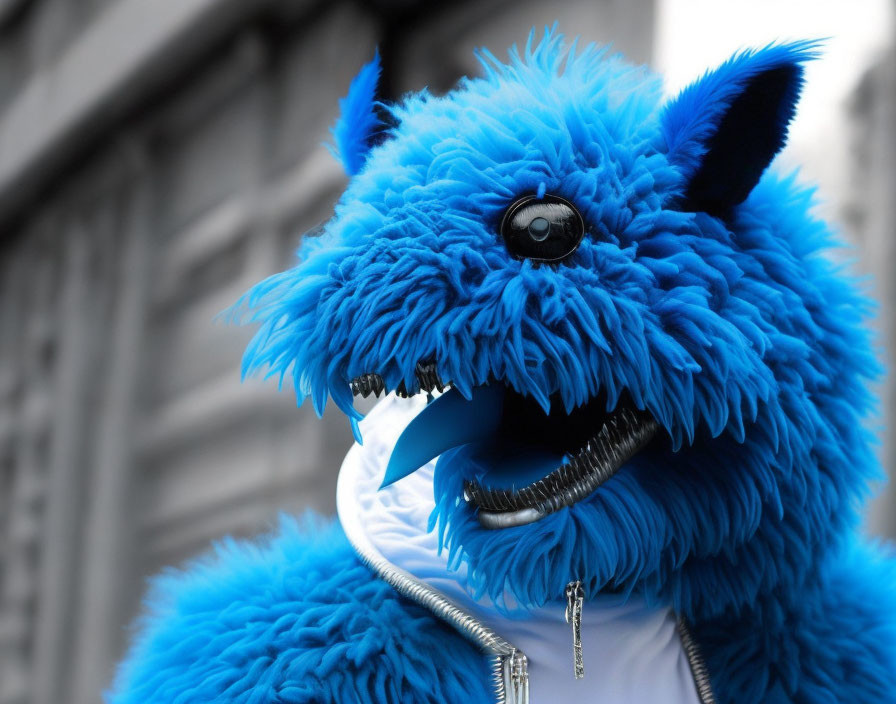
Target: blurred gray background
157,157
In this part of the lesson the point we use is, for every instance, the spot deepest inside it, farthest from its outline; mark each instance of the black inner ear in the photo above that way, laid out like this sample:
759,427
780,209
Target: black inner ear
751,132
387,123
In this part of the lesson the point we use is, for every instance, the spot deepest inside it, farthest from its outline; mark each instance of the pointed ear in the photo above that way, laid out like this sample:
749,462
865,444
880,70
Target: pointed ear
723,130
358,123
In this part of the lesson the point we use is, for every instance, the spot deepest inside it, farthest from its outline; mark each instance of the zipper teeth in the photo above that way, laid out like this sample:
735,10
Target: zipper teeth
497,663
426,596
412,588
698,665
405,584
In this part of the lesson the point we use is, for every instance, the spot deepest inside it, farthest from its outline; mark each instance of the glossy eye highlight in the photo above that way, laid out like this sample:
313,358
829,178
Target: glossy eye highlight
542,229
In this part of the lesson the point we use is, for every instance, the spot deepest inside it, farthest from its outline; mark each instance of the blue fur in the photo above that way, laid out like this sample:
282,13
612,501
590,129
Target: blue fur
293,618
358,122
735,329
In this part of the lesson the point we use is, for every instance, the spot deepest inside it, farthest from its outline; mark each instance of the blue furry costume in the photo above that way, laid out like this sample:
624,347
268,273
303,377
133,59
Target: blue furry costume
556,242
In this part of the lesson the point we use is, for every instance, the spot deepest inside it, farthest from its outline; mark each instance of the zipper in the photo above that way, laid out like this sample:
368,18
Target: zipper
698,665
575,599
509,666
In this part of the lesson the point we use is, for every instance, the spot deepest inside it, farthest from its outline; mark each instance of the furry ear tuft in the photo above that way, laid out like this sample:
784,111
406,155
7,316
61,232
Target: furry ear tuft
358,122
723,130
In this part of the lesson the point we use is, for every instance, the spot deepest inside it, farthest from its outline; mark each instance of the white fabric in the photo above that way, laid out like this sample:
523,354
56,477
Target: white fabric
632,654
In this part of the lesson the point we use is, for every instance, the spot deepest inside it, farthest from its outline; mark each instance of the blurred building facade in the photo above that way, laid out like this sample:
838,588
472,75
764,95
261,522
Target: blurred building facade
156,159
870,217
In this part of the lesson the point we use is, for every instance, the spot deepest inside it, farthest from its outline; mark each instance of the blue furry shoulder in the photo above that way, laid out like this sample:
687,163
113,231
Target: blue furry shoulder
828,642
295,618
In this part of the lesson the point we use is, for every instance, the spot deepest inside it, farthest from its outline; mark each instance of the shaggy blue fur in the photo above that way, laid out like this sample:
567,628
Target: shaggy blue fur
702,290
292,618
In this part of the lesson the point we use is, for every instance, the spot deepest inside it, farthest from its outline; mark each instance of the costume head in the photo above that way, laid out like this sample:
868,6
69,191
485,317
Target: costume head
657,378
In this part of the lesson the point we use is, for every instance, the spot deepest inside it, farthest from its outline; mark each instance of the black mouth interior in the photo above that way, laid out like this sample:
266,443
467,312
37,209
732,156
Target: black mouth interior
524,421
589,445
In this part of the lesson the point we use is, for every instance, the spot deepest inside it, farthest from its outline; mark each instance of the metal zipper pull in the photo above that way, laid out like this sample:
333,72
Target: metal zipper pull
575,597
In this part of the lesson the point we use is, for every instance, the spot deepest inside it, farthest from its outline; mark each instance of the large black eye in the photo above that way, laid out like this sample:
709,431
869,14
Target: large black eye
542,229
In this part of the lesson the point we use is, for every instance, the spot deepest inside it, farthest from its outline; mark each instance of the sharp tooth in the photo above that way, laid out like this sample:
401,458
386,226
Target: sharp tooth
588,458
486,499
423,376
566,469
574,470
428,377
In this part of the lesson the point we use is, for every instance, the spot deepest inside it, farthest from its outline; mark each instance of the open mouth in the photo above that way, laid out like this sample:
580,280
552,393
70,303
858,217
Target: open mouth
520,463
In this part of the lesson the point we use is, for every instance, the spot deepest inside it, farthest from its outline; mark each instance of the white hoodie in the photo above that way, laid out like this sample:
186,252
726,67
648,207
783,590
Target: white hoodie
632,654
